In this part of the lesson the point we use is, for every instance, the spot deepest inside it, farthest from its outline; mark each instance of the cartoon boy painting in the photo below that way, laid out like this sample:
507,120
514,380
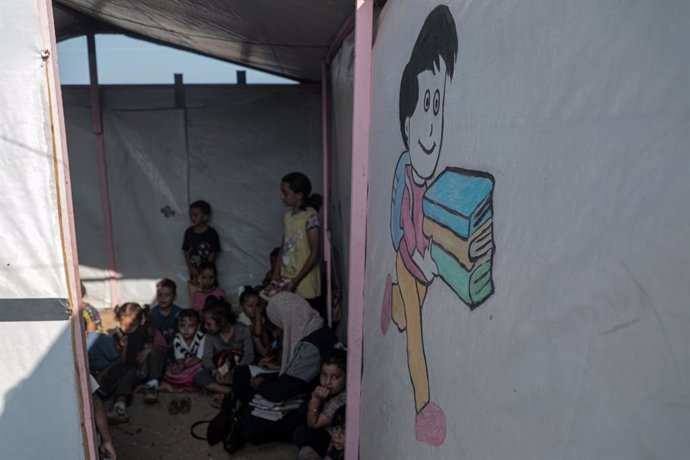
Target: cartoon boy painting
422,96
440,225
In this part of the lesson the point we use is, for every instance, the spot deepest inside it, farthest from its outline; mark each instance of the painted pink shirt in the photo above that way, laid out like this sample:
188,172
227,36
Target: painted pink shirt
411,220
199,297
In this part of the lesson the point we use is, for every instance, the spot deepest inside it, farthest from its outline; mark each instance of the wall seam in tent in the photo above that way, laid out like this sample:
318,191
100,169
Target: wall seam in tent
358,219
326,192
97,128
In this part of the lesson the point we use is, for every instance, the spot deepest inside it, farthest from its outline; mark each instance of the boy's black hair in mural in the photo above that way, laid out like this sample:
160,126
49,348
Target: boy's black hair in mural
437,39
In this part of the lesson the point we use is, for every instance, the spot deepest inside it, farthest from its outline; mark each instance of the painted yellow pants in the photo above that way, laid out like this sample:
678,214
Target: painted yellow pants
407,300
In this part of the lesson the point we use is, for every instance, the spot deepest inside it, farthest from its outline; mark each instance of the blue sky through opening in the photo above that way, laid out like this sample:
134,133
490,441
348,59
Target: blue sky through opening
124,60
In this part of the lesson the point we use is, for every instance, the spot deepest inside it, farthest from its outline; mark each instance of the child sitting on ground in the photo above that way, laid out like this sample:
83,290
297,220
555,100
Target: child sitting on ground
201,242
254,316
208,286
163,319
188,348
92,319
326,398
228,344
336,447
135,341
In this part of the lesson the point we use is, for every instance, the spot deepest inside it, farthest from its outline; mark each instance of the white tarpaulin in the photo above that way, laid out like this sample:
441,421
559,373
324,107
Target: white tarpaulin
39,409
340,102
572,116
230,147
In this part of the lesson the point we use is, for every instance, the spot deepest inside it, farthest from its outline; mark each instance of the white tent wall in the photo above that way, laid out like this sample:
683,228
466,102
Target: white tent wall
579,112
340,103
37,271
230,146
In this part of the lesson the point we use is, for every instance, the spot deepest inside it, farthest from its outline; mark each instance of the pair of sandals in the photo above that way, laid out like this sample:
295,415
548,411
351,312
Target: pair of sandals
180,406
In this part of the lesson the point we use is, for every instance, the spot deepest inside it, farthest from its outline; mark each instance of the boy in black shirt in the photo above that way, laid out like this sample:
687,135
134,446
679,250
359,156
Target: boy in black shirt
201,242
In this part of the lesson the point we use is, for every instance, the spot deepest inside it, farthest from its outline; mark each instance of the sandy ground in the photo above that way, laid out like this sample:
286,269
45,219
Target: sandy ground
153,434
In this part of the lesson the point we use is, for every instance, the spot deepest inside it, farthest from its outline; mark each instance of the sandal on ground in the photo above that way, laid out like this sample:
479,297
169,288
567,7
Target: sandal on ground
174,407
151,395
185,405
118,416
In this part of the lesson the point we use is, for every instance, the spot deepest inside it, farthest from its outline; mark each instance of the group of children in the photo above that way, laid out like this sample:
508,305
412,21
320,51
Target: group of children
172,349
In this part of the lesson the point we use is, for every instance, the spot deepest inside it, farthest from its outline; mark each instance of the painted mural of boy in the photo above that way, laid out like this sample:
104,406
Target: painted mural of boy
422,96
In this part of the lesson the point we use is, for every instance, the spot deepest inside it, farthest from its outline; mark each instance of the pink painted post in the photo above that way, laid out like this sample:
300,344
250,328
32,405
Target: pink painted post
67,230
364,17
97,128
326,192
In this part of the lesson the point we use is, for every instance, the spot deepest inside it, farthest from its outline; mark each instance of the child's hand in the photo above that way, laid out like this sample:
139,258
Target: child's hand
290,287
269,363
189,362
256,381
224,379
143,354
176,367
320,393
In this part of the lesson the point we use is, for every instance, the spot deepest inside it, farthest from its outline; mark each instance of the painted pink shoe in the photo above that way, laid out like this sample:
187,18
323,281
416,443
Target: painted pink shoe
387,305
430,425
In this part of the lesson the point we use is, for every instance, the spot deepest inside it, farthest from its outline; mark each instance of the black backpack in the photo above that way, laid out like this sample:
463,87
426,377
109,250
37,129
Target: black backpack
223,427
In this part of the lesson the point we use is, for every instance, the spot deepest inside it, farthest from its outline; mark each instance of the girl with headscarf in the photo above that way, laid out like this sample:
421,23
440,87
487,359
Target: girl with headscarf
305,341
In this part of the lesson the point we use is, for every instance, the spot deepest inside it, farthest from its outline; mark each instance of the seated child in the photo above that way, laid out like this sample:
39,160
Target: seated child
188,347
135,341
336,449
273,260
228,344
208,286
201,242
254,316
163,319
102,352
326,398
91,316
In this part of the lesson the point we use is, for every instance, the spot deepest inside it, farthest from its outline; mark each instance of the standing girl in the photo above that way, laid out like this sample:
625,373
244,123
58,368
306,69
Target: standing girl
299,256
208,286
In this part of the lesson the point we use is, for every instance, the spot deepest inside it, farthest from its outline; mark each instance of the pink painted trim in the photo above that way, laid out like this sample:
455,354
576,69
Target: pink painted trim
67,222
326,191
361,123
97,127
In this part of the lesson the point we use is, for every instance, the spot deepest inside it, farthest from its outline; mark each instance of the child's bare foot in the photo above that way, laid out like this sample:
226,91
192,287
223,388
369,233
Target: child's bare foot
151,395
217,400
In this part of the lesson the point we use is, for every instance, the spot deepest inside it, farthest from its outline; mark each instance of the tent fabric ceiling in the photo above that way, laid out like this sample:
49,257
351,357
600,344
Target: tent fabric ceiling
285,37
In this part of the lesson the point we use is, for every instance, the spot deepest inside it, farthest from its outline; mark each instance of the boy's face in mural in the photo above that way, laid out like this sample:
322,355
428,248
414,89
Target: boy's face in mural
424,128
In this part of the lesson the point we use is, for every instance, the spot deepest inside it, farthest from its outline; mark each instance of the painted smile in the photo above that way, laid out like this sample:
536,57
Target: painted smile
426,150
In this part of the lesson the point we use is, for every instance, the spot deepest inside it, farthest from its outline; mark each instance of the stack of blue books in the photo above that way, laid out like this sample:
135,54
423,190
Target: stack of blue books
458,216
